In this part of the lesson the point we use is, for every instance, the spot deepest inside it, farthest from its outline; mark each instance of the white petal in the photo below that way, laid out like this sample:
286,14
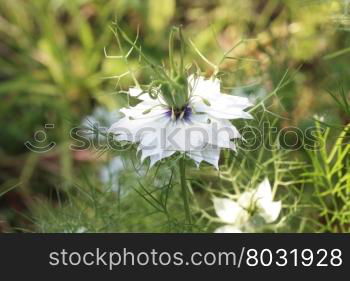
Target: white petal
221,132
199,86
211,155
234,101
146,152
135,91
227,210
200,118
208,154
184,136
246,199
228,229
176,137
135,130
222,111
196,156
143,111
264,191
223,106
269,210
157,157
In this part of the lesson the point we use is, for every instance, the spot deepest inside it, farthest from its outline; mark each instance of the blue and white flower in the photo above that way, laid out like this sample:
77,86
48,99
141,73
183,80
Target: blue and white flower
199,128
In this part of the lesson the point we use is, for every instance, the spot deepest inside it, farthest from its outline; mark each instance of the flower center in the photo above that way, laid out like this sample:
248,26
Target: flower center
178,114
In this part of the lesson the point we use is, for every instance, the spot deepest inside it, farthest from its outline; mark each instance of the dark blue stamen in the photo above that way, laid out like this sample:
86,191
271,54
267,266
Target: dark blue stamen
187,113
184,113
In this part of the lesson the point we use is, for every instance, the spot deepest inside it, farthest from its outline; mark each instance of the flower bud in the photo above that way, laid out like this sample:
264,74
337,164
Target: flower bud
166,92
181,92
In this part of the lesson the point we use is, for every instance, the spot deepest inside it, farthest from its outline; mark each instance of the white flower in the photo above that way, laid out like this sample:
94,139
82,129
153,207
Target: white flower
236,214
98,122
109,173
319,118
199,129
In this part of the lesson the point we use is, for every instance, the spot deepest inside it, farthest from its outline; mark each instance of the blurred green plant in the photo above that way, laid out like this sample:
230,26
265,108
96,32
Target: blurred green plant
329,181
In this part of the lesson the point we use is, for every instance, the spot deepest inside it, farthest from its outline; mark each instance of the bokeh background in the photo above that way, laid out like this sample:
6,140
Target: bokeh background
54,70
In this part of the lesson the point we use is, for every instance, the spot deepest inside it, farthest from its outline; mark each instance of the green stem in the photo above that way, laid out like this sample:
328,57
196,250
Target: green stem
182,167
182,41
171,53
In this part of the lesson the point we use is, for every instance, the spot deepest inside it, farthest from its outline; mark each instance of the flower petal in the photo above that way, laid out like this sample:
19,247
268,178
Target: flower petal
269,210
199,86
220,133
264,191
227,210
221,111
228,229
246,199
157,157
208,154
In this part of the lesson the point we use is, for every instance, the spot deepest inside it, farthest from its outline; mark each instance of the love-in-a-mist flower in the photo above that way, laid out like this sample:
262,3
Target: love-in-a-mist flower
237,214
190,115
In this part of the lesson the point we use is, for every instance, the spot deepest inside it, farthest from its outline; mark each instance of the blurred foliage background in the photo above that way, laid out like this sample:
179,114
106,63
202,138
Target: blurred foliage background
53,70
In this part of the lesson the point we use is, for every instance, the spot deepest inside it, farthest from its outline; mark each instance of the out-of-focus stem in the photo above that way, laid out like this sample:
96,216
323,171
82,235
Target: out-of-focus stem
184,190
